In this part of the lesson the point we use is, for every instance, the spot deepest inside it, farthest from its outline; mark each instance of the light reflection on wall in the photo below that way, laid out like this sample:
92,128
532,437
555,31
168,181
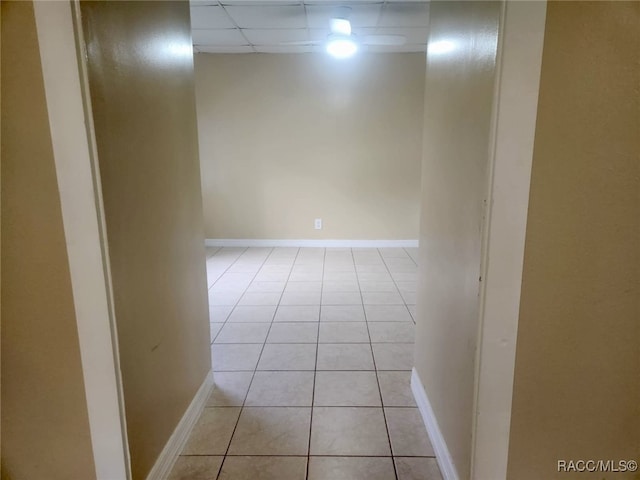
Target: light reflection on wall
179,49
159,50
484,46
440,47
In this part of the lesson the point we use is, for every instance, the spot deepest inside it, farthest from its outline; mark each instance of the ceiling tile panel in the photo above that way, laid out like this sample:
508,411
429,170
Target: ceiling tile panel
209,17
318,34
321,34
405,14
286,49
275,36
414,35
362,31
338,2
259,3
274,16
294,26
218,37
227,49
365,15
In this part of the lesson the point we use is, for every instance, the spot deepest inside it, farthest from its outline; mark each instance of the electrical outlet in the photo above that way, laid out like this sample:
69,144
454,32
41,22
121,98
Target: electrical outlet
318,224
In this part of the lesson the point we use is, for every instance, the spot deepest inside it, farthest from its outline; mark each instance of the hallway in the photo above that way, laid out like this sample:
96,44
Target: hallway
312,350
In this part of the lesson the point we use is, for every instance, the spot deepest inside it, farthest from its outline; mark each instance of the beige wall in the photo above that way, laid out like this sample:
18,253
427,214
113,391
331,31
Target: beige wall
45,428
285,139
141,82
577,388
458,105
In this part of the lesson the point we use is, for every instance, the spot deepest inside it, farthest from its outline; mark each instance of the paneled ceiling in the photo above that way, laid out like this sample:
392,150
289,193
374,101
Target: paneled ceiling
242,26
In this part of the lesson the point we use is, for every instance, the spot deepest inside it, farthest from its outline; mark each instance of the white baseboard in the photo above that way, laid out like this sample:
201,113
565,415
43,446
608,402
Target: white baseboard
259,242
443,457
172,449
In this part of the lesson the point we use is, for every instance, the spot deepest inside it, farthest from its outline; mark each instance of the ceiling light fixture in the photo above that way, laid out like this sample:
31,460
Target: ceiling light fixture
341,26
341,46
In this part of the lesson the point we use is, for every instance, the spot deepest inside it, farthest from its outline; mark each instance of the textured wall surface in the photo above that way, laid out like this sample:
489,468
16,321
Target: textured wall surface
142,90
577,388
285,139
45,427
458,105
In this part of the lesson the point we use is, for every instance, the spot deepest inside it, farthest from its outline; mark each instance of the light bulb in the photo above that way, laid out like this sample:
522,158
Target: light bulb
341,47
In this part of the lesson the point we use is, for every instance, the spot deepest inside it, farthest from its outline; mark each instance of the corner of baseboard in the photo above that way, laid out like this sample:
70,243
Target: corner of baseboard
443,457
169,455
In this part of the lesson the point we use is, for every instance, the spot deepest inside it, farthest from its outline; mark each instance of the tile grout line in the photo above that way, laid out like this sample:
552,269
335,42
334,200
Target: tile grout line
411,257
375,368
317,343
207,257
305,456
233,307
229,314
254,370
268,455
315,369
226,269
307,406
416,264
404,302
309,370
311,343
243,406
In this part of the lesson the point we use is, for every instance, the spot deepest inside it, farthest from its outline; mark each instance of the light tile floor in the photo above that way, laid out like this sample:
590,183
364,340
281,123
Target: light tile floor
312,350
